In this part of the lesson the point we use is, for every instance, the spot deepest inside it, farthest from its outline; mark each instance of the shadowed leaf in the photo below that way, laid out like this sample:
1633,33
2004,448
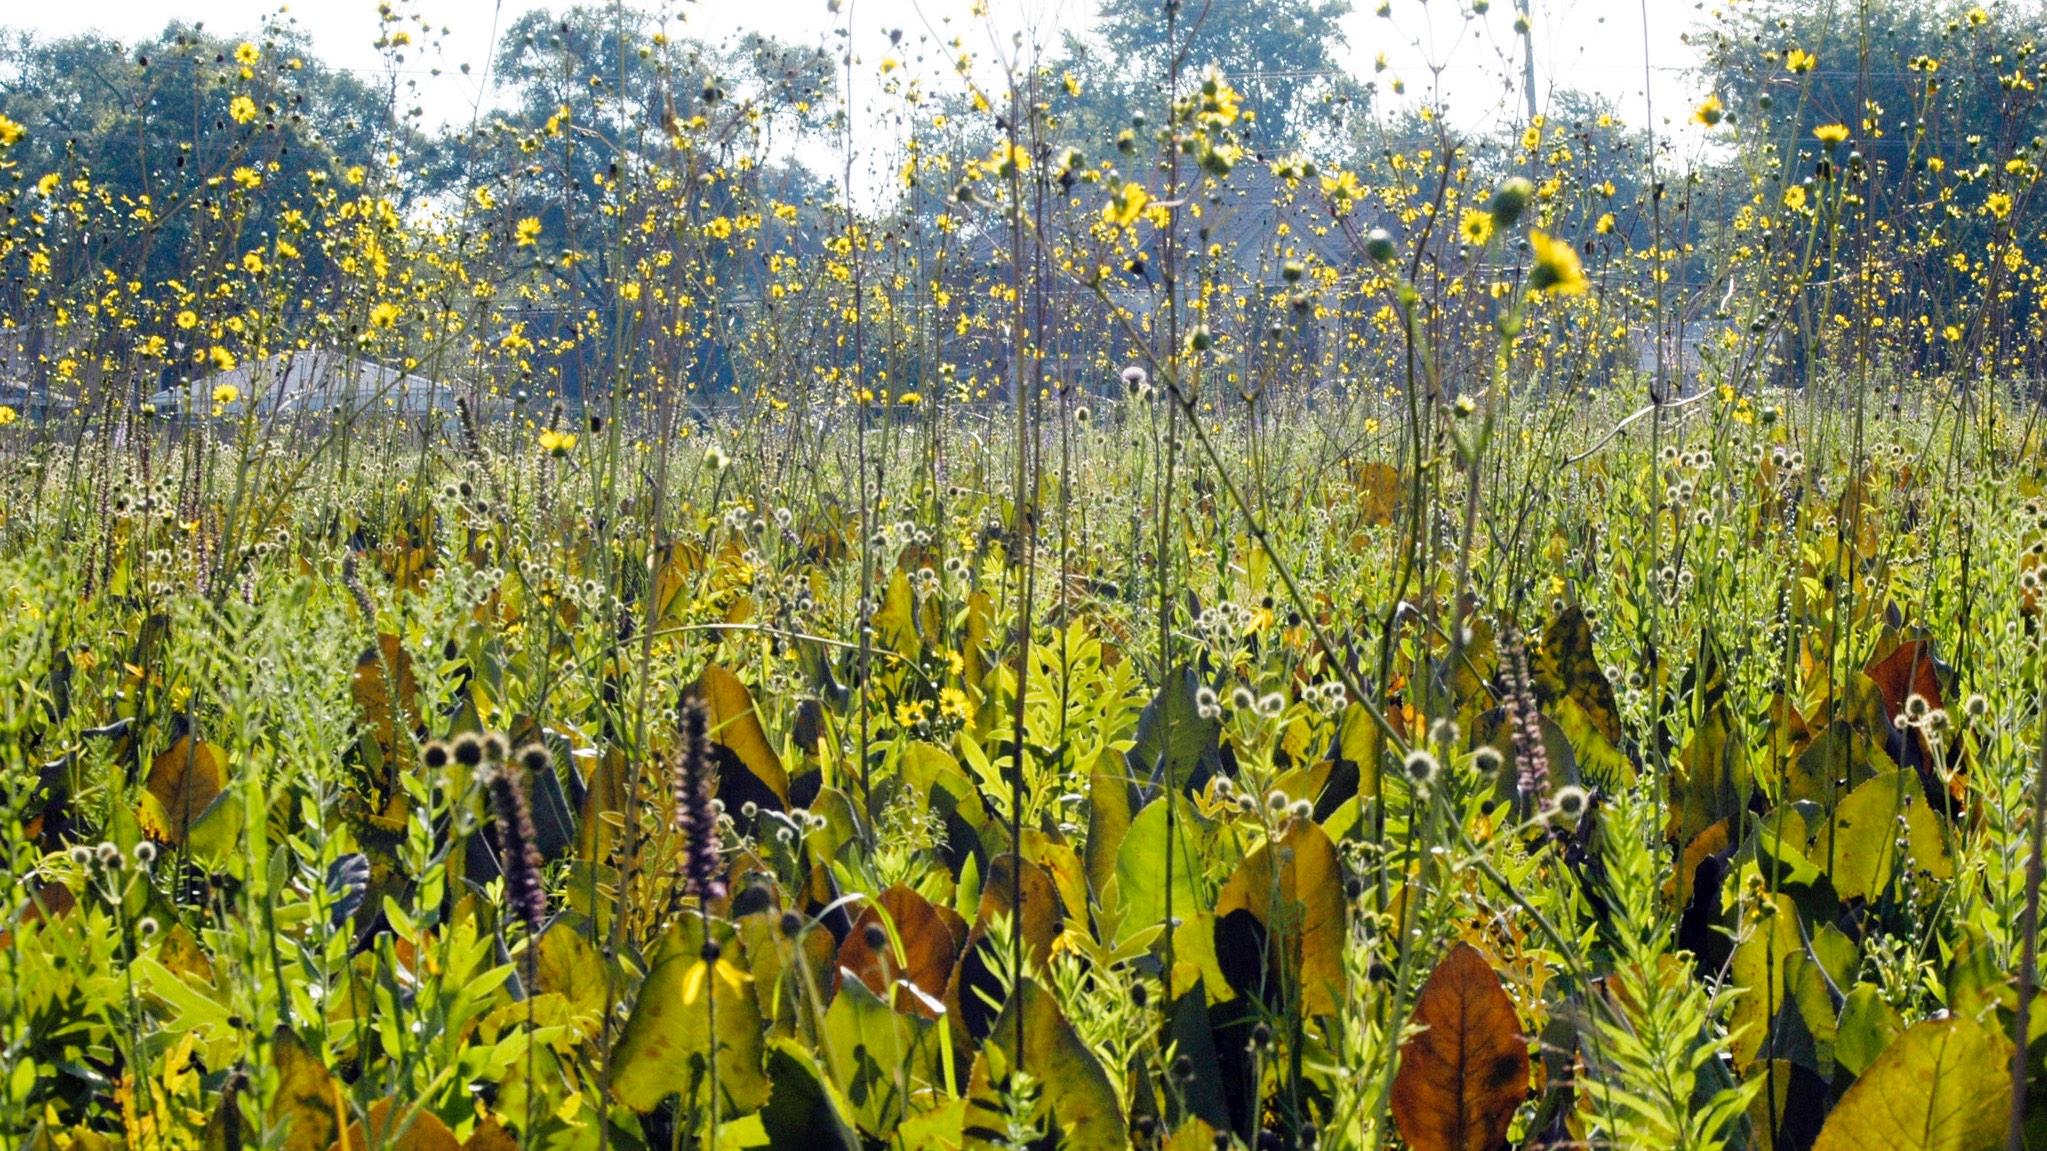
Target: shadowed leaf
736,726
1565,667
1171,727
1077,1105
803,1110
308,1098
182,782
1295,897
378,671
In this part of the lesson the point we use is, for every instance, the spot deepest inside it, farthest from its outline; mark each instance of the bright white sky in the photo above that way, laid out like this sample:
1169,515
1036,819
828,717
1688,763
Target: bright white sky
1594,45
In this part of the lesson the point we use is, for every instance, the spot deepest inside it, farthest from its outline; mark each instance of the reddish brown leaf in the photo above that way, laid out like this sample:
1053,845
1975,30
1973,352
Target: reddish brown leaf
401,1129
930,938
1908,670
1461,1078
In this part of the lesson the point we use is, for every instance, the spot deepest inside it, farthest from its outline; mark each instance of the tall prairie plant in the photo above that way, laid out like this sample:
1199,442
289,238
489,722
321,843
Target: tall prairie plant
579,630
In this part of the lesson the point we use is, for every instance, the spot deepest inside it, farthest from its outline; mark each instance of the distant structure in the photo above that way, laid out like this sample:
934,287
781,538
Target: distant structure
315,382
29,391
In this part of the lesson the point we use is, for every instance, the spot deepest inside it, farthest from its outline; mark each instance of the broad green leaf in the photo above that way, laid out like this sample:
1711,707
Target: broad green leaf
1868,1024
1716,777
1172,728
803,1110
1759,965
1141,865
666,1041
1847,752
1077,1104
1108,821
1860,846
880,1059
1943,1085
895,625
570,966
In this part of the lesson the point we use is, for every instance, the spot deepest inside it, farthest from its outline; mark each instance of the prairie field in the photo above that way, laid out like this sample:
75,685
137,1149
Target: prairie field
1151,581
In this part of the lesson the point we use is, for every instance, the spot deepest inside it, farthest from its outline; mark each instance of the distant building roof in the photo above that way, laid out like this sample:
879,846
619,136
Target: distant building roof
313,380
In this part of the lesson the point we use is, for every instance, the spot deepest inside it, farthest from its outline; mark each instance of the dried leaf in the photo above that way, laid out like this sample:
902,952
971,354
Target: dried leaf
925,946
1461,1078
378,671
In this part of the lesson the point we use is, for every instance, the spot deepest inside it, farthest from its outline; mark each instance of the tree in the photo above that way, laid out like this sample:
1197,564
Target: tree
152,124
1940,130
603,117
1281,54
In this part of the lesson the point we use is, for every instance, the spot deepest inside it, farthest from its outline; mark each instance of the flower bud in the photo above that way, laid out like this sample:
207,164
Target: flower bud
1511,200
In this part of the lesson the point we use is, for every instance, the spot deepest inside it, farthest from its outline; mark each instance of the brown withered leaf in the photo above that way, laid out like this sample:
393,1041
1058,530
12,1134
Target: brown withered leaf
400,1129
1379,492
1908,670
1461,1079
930,937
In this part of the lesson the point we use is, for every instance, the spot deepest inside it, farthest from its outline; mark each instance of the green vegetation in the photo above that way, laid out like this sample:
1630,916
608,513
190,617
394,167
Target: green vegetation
1185,626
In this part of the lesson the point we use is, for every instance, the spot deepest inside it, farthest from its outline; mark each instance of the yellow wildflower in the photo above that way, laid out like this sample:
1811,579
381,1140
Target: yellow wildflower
1127,205
1557,271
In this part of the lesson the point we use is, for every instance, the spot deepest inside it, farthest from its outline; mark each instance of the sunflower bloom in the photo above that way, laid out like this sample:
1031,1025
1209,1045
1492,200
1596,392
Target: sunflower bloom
1557,271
